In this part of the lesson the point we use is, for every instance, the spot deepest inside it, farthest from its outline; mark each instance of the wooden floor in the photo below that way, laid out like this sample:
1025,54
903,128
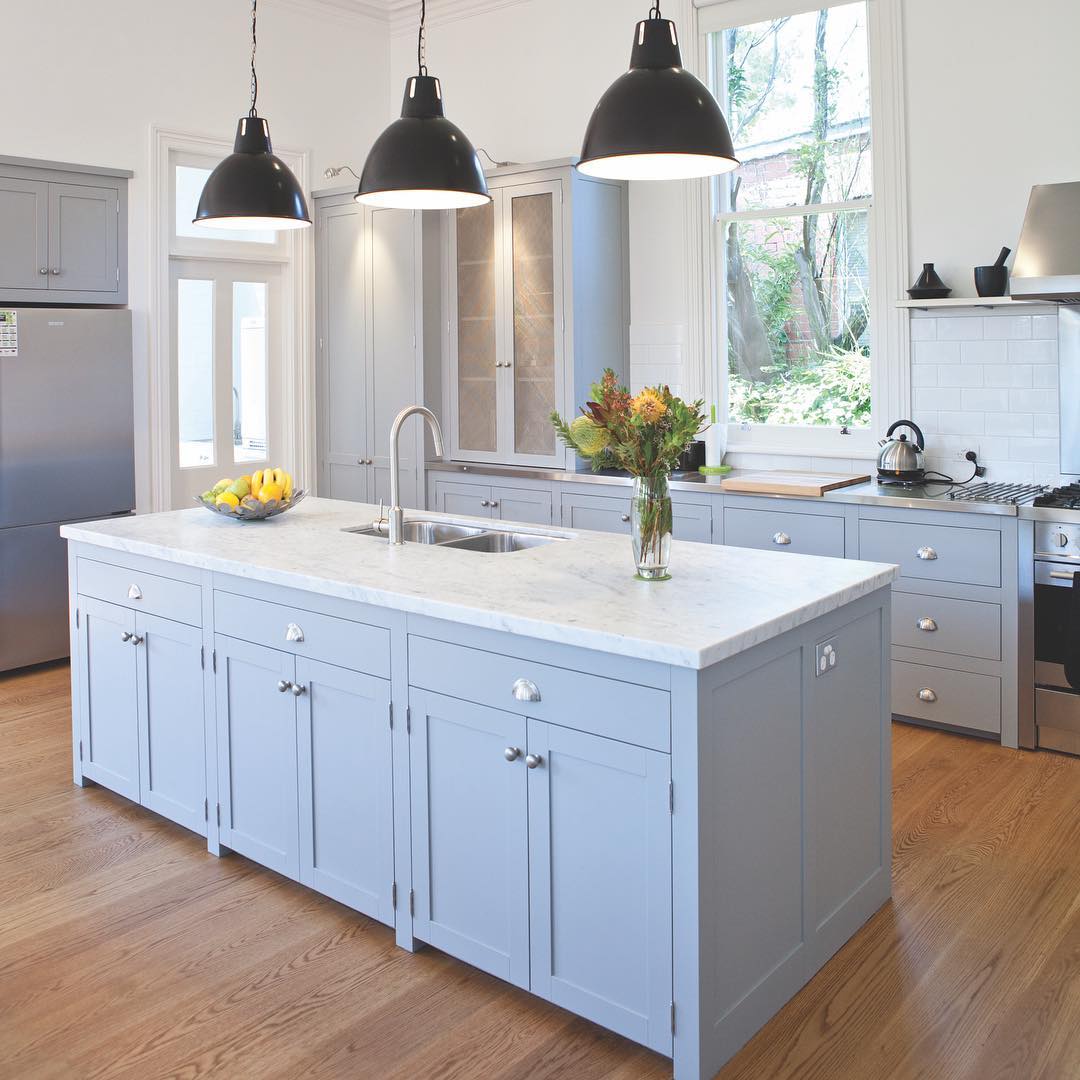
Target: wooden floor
127,951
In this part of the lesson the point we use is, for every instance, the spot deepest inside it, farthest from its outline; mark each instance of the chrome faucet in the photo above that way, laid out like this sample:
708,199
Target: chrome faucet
397,515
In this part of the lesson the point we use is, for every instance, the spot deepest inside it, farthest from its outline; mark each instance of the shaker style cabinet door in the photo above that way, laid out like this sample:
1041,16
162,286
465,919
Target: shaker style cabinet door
24,226
345,775
109,710
256,720
172,774
84,227
600,880
470,833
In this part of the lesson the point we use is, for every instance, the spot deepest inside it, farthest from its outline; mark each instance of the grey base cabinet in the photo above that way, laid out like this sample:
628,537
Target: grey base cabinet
501,502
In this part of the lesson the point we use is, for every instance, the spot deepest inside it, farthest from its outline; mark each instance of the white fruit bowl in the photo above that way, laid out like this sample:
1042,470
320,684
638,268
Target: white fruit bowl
243,513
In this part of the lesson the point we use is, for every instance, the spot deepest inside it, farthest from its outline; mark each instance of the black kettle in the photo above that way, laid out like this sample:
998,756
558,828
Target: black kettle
900,460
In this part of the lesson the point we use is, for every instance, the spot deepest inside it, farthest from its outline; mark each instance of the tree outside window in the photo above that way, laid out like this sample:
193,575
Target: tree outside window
794,220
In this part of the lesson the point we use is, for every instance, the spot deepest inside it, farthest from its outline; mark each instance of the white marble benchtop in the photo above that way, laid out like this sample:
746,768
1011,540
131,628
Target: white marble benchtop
719,602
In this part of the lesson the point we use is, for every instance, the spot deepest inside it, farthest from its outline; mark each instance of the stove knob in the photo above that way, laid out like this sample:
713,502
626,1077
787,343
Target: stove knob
1062,540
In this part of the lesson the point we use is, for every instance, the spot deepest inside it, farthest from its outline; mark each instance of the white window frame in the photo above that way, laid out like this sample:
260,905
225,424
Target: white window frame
890,372
292,252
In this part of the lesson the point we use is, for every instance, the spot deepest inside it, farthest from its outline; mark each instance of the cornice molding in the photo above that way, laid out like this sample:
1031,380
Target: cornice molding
403,14
377,11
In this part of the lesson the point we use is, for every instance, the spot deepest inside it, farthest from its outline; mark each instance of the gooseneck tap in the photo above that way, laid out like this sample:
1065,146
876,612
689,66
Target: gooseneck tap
397,515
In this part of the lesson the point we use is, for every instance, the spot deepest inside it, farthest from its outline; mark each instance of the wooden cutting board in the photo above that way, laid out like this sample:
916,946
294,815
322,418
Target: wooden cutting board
783,482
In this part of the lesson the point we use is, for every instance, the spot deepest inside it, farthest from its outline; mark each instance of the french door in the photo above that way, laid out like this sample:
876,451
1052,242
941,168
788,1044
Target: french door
226,372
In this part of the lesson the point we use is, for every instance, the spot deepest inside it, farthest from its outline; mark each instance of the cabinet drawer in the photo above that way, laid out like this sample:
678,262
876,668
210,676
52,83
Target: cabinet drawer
806,534
356,646
599,513
634,714
959,698
964,627
177,600
934,552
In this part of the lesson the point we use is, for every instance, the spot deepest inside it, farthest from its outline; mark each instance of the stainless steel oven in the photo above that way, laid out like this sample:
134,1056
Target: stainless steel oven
1057,635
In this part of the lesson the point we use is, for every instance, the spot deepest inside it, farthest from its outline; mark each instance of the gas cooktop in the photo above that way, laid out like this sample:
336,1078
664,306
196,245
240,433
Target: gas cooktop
1060,498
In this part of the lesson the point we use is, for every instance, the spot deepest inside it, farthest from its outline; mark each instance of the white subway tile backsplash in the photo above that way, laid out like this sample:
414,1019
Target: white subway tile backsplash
924,374
1034,450
1006,327
924,329
984,352
1016,376
960,329
1044,326
1009,424
937,352
1044,425
987,400
1010,472
961,423
1044,376
970,375
1032,352
932,397
1034,401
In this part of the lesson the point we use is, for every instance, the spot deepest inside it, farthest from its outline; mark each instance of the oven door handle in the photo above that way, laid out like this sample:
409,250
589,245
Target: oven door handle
1072,646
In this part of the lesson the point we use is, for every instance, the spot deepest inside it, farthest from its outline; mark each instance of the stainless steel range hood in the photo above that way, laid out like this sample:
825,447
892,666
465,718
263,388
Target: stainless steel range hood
1047,265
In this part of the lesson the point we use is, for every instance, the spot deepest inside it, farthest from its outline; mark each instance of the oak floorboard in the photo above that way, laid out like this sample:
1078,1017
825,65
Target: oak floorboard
127,952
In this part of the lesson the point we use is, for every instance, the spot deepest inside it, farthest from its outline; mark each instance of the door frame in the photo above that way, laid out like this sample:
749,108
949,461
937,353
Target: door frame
297,452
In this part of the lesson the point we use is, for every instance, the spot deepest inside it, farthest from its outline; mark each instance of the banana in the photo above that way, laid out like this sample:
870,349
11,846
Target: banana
287,488
256,482
279,477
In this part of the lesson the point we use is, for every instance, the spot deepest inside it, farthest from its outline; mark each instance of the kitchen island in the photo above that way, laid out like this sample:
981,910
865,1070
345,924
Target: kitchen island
662,806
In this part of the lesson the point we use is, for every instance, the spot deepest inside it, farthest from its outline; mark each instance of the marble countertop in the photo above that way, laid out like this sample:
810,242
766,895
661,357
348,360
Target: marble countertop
719,602
919,497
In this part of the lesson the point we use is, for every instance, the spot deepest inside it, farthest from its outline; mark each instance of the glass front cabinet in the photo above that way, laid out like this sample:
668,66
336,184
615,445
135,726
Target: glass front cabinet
537,306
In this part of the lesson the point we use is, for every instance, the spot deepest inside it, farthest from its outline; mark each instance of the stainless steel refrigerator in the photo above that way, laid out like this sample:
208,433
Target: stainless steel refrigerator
66,454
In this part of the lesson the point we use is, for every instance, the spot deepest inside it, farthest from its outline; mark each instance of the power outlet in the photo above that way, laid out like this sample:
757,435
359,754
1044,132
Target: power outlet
826,658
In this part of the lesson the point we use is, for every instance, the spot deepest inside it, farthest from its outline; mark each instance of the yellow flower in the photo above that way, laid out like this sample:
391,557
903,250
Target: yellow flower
649,406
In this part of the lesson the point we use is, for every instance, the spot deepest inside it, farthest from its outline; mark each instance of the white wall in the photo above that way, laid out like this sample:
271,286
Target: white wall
84,84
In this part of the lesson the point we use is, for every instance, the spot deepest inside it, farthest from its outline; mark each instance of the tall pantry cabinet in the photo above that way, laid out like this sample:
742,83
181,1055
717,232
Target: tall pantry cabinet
369,332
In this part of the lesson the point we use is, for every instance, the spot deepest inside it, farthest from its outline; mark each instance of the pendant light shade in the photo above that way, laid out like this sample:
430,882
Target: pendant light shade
657,121
422,161
252,188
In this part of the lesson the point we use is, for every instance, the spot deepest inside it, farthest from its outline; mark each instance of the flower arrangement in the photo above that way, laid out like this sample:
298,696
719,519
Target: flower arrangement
645,434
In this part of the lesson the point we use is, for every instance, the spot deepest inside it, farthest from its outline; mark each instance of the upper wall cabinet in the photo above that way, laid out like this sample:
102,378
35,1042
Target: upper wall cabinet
369,359
537,306
64,231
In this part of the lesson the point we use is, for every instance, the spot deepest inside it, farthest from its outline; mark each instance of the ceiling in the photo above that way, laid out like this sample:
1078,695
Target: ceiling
402,15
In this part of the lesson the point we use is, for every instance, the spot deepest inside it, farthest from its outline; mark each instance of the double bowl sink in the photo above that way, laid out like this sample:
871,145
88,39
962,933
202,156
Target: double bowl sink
448,534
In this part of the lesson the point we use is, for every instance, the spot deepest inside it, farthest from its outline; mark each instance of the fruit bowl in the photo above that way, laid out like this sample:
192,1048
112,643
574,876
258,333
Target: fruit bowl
265,494
251,512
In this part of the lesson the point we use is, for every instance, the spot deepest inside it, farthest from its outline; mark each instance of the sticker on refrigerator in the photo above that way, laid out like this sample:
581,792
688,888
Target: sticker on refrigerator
9,333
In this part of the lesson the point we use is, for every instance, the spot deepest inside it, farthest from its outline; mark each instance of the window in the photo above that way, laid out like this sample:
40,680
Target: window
793,226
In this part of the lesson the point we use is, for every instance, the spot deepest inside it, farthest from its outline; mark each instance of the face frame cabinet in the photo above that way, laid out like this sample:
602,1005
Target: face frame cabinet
369,355
536,302
523,502
65,233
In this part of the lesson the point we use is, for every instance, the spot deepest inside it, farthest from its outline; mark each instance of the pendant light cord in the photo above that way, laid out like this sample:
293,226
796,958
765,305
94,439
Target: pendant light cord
254,45
421,42
655,8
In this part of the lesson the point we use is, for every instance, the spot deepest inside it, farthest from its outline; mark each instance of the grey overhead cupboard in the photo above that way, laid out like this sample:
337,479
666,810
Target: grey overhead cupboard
535,297
369,357
64,230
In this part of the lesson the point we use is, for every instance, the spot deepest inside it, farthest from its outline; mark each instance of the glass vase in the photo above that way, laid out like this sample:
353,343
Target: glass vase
650,515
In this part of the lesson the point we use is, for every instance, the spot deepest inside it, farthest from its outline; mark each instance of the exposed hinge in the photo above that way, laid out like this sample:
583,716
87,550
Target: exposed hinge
393,895
390,706
408,719
213,657
671,796
80,749
202,657
206,809
76,618
412,902
673,1018
219,815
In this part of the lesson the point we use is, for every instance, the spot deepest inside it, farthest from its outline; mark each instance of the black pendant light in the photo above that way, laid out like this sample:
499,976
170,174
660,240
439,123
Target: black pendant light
422,161
252,188
657,121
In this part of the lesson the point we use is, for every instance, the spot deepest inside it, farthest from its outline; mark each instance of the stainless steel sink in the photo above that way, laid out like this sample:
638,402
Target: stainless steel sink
462,537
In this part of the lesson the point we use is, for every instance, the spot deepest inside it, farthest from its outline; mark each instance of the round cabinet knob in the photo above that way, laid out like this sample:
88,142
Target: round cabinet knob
293,632
484,502
127,635
534,761
298,689
136,640
927,554
511,753
284,687
55,270
929,625
134,592
525,690
43,270
781,538
494,503
626,517
927,695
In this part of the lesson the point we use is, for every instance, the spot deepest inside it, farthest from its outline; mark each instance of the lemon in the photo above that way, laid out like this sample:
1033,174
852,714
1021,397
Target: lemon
229,499
270,492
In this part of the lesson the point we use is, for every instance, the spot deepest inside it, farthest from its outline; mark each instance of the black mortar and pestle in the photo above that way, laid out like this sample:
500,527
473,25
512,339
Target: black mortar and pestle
993,280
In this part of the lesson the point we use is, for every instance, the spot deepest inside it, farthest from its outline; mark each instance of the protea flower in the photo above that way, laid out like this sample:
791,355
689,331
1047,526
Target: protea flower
589,437
649,405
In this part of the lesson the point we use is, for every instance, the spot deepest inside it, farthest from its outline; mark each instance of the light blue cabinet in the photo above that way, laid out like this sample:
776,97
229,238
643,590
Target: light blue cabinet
600,880
345,786
257,760
470,841
172,742
109,691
